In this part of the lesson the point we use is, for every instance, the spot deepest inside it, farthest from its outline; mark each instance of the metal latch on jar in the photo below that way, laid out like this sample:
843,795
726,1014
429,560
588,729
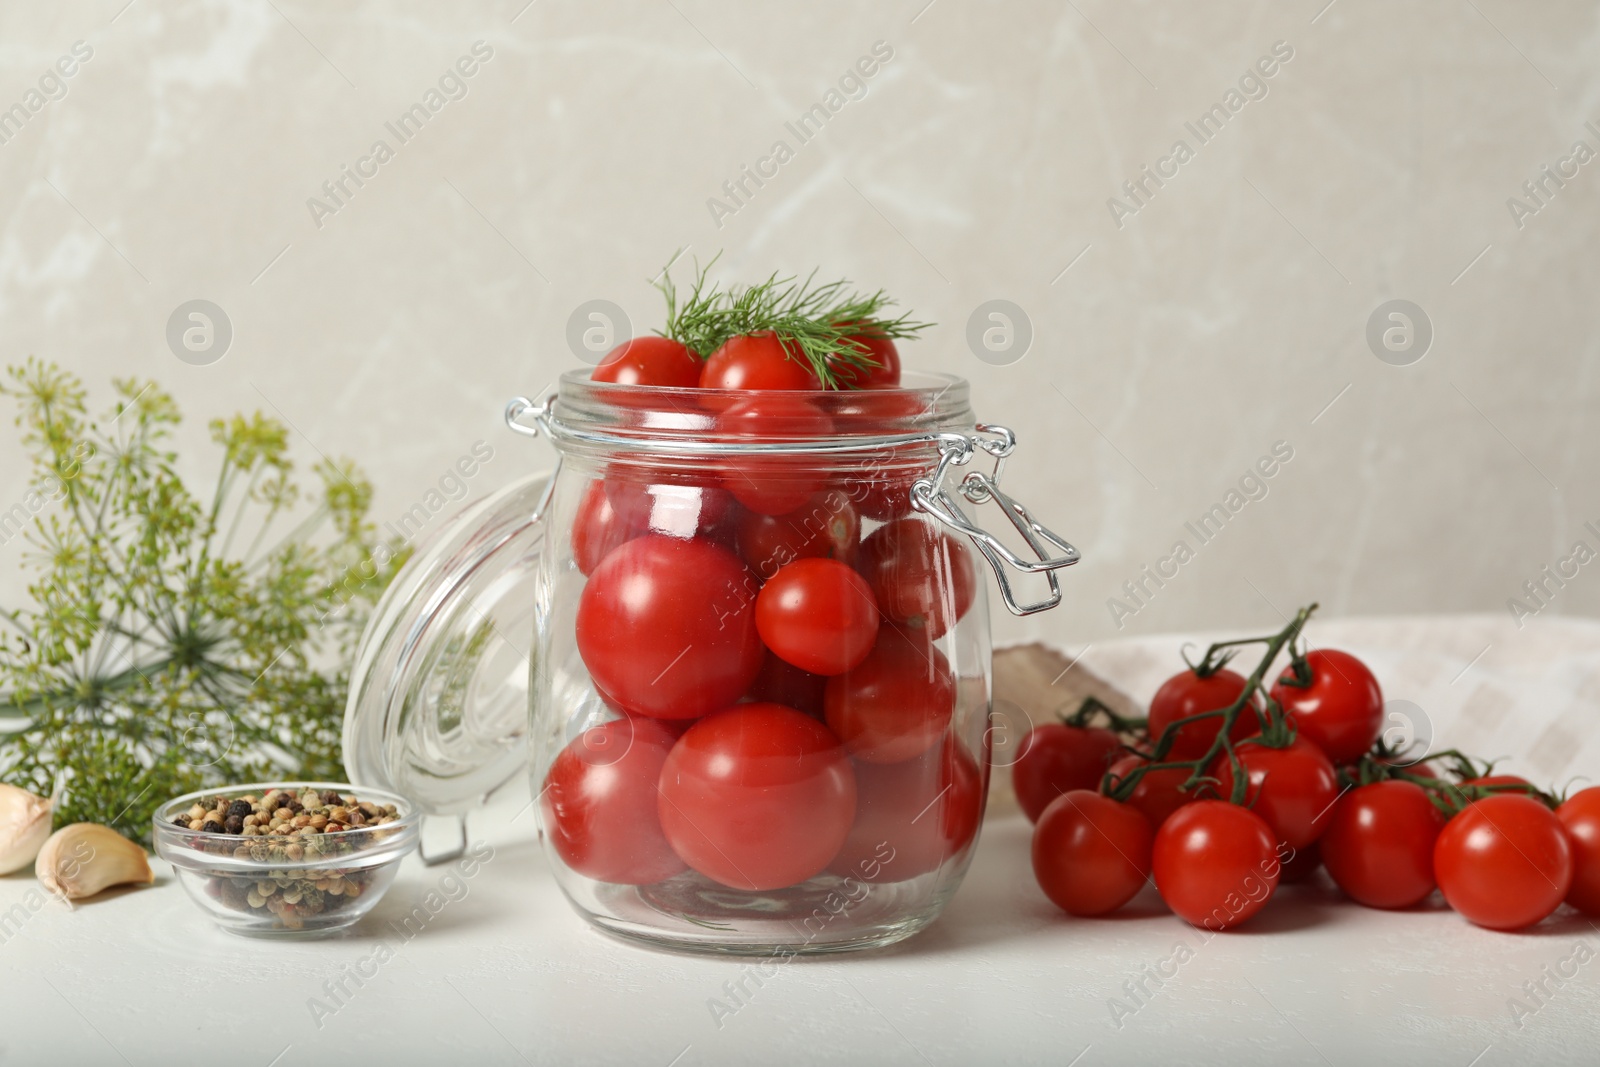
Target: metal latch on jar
931,496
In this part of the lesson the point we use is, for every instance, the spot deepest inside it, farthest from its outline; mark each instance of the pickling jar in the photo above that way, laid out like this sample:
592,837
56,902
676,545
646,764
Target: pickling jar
739,642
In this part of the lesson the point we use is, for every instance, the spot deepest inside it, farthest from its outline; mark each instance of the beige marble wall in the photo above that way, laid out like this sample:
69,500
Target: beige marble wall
1173,345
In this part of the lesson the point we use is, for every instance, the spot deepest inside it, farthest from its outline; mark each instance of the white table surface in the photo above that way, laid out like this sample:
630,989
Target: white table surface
508,974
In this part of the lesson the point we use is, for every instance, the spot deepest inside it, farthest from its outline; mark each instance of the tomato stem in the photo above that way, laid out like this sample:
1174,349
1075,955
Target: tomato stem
1275,731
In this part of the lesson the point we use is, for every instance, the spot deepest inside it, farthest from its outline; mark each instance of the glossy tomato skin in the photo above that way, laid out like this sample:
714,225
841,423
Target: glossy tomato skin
819,615
1215,864
758,796
825,527
597,528
1186,694
896,704
1504,862
912,816
1057,758
1091,855
757,361
1341,712
1292,788
1580,815
921,576
673,502
667,627
649,361
773,485
599,803
1379,844
885,370
1157,794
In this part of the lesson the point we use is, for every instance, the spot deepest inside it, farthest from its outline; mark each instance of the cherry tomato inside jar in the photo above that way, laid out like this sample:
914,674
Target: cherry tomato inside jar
819,615
678,503
824,527
667,627
599,803
912,816
896,704
1187,694
656,361
882,359
597,528
921,576
757,797
773,484
758,361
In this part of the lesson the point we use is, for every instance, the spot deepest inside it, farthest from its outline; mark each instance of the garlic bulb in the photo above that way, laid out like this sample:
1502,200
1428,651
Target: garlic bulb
82,859
24,825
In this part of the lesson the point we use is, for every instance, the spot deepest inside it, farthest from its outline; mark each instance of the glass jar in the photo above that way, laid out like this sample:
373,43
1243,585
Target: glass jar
759,669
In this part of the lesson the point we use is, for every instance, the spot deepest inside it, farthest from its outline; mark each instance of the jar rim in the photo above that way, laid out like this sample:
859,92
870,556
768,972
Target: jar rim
584,413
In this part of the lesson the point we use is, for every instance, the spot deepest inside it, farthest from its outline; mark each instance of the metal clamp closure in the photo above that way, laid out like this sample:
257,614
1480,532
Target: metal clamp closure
931,496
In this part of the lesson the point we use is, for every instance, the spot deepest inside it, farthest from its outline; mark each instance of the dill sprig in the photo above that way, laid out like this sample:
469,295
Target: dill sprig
816,323
171,644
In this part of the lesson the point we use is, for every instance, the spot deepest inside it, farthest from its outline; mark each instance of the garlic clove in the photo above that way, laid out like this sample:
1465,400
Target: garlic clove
24,825
82,859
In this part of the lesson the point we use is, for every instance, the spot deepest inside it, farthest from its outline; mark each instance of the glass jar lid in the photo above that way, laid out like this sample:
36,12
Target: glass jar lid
438,705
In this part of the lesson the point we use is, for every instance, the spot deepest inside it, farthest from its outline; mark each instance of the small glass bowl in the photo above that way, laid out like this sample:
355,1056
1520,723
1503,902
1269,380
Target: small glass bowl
336,880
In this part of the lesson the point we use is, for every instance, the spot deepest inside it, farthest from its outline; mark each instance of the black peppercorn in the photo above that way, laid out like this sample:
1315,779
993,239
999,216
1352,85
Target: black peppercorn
235,824
212,826
330,797
239,809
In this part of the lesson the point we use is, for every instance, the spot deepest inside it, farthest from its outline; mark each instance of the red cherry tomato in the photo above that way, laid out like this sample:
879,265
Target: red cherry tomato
826,527
1504,781
894,706
756,361
672,502
667,627
1292,788
912,816
1215,864
1091,854
1580,814
1341,711
599,803
1504,862
819,615
1157,793
784,683
884,369
1056,759
921,576
773,485
757,796
597,528
649,361
1379,844
1186,694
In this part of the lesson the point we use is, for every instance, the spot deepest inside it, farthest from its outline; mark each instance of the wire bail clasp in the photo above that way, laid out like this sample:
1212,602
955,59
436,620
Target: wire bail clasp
932,496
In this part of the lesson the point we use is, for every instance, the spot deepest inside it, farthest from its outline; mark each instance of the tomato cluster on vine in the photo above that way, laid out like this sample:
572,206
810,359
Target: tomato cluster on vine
766,629
1231,787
